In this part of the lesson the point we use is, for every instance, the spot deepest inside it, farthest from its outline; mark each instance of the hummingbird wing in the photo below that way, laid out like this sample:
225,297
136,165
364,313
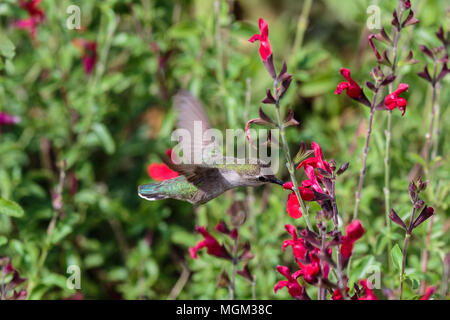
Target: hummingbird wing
191,115
202,176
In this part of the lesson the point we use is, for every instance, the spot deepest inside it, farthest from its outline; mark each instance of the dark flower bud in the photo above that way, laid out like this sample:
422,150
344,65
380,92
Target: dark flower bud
371,86
412,191
223,281
390,78
290,121
427,51
269,99
419,204
343,168
222,227
395,21
246,254
425,74
396,219
410,20
245,272
445,70
441,36
270,66
422,185
406,4
423,216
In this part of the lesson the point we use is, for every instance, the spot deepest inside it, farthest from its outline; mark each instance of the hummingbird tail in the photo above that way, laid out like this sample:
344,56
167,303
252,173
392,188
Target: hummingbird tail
152,192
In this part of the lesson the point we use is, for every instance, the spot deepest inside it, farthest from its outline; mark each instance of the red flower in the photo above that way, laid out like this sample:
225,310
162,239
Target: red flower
354,232
353,89
36,17
293,206
337,294
368,293
160,172
311,270
317,161
428,293
213,247
294,288
393,100
297,244
7,119
264,48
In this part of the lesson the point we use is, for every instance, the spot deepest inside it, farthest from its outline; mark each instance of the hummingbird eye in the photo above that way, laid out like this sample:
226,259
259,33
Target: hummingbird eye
262,179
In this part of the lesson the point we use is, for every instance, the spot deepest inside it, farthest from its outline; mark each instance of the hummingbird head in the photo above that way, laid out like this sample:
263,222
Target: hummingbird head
260,177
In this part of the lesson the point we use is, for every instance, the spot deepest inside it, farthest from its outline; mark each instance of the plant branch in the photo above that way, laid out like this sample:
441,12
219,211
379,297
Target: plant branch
362,173
287,155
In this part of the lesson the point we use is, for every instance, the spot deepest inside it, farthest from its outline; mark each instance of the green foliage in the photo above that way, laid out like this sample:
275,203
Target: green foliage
109,125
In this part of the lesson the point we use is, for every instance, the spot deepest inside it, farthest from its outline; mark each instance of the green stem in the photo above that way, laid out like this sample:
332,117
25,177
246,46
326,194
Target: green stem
301,27
290,164
362,173
232,287
405,244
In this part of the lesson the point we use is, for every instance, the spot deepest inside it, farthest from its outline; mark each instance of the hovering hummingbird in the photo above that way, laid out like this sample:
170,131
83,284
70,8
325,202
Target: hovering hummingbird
199,183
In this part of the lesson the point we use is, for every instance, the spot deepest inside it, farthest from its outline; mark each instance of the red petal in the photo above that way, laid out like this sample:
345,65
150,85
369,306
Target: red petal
160,172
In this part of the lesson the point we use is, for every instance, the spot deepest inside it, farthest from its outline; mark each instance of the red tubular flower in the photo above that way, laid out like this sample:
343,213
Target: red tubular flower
352,88
317,161
311,270
264,48
293,206
160,172
36,16
7,119
297,244
354,232
368,293
428,293
393,100
213,247
294,288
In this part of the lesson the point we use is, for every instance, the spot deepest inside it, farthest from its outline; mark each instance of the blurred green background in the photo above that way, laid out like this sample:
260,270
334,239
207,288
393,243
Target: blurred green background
110,125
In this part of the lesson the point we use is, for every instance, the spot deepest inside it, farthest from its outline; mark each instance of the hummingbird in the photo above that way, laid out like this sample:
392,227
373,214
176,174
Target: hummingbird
200,183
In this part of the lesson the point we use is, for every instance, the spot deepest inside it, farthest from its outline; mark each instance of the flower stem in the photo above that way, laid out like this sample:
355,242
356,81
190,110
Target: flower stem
362,173
287,155
340,275
405,244
387,132
232,287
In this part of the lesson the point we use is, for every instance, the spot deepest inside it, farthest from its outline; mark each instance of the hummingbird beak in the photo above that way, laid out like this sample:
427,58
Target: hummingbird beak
274,179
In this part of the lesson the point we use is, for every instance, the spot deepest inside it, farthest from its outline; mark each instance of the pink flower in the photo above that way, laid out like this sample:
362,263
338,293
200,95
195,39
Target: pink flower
264,48
428,293
368,293
297,244
36,16
213,247
294,288
89,53
352,88
160,172
354,231
7,119
393,100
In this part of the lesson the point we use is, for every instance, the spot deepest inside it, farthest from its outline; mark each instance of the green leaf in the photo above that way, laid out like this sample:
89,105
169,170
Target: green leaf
10,208
7,48
360,269
3,240
397,257
105,138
